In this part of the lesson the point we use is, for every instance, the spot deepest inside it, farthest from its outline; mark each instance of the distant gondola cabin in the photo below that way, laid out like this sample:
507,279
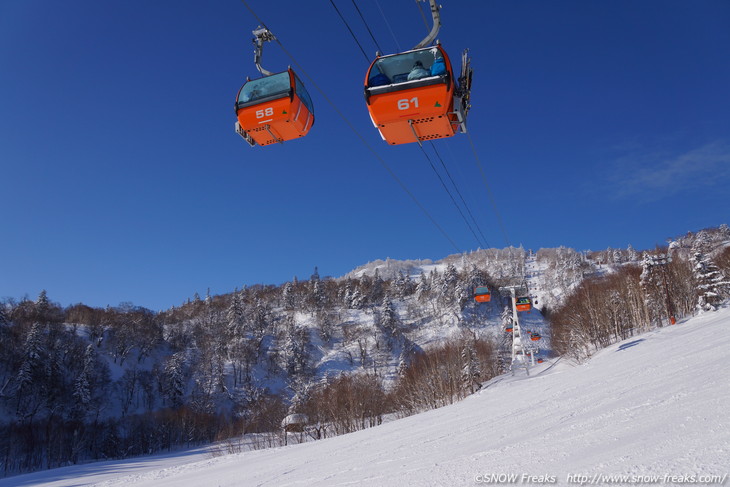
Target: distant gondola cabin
482,294
410,96
523,304
274,109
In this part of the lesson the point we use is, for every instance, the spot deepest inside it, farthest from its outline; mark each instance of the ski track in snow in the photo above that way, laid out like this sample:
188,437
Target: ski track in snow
655,404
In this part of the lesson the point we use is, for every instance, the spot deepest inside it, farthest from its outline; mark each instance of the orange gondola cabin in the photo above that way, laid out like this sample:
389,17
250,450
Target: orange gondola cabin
273,109
413,96
523,304
482,294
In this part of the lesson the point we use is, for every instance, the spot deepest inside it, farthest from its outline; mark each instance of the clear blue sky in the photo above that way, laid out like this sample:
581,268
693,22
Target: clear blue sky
597,123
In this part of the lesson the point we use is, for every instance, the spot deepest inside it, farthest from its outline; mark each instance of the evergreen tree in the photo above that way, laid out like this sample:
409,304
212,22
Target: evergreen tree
633,255
42,304
316,298
724,231
287,296
355,300
389,320
174,379
28,381
470,371
234,315
652,285
378,288
711,284
295,351
402,285
702,242
82,386
423,288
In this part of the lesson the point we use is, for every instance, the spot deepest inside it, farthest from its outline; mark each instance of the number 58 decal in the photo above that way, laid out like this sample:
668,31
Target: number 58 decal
405,103
267,112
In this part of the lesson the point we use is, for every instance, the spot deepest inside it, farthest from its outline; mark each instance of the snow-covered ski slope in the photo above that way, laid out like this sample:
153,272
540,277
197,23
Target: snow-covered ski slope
654,408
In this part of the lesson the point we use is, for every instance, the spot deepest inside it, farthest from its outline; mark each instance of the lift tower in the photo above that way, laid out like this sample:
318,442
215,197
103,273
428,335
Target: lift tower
519,352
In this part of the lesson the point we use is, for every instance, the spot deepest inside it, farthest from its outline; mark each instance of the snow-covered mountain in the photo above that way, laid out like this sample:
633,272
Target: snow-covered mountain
390,338
649,410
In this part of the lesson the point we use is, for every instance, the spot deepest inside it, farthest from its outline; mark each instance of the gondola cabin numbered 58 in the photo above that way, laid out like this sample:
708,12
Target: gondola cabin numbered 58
273,109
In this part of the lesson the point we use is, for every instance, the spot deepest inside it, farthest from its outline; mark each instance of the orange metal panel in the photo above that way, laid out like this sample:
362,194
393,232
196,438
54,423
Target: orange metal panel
285,118
428,107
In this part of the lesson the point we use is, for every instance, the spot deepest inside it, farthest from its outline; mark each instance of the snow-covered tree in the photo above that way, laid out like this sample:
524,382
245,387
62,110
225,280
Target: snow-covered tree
403,286
377,289
315,275
711,283
653,285
82,393
295,352
316,299
633,255
175,379
389,320
470,371
287,296
423,288
42,304
234,315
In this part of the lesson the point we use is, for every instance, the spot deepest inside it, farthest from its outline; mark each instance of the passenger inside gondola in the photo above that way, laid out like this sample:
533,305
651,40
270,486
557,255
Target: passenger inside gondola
269,86
418,72
439,66
407,66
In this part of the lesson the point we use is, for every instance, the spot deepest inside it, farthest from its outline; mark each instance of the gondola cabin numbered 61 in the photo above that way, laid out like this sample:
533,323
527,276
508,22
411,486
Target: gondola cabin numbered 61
411,96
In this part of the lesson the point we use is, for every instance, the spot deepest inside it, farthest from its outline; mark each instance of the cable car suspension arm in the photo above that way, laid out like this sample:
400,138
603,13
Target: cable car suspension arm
436,24
261,35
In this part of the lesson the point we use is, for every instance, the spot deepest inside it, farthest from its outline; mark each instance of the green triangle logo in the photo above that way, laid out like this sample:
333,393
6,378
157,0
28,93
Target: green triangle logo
283,112
437,104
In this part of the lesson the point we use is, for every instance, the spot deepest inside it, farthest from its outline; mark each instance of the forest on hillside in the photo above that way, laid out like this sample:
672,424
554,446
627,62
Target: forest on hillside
79,383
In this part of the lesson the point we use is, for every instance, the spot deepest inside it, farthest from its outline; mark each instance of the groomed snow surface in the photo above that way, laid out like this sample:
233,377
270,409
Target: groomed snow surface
653,409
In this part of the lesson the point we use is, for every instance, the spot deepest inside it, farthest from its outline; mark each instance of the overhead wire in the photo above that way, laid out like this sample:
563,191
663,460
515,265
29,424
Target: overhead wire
489,191
443,184
367,26
423,15
356,132
348,28
463,201
388,25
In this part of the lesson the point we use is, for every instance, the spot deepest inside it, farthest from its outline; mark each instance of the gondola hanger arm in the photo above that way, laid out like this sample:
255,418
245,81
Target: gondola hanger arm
261,35
436,24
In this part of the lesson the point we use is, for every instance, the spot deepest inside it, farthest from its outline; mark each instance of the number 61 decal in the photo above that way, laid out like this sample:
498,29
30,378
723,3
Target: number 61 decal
267,112
405,103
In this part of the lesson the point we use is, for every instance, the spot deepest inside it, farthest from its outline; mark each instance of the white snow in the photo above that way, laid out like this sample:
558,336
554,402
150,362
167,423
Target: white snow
653,408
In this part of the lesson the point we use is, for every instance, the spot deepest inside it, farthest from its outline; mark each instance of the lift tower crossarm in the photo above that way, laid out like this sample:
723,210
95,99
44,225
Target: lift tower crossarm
436,24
